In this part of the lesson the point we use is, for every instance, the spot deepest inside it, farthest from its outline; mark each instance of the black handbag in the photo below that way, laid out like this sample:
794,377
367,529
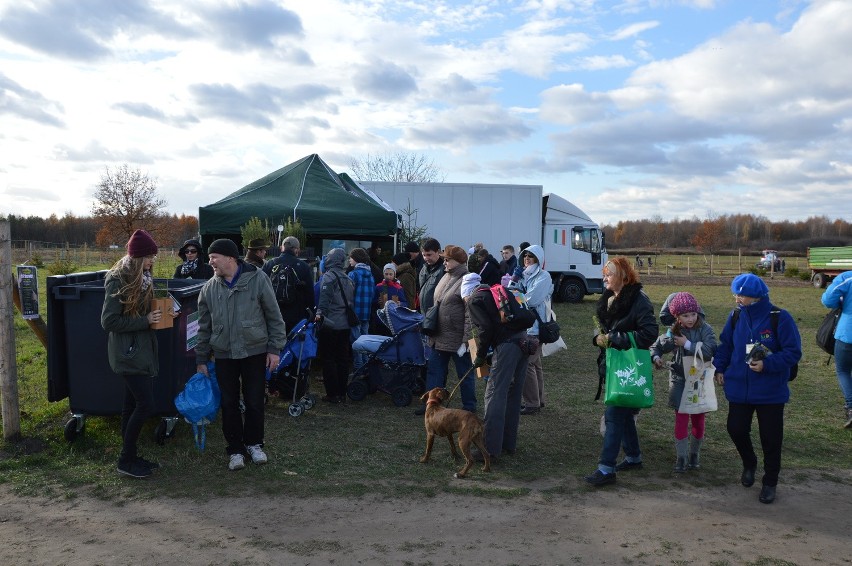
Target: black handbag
825,333
429,326
351,317
548,332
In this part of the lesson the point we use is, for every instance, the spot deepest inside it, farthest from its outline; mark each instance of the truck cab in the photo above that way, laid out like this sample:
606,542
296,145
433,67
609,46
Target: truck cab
575,248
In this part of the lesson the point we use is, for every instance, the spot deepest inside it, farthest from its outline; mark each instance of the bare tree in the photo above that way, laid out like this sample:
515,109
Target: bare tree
404,167
124,201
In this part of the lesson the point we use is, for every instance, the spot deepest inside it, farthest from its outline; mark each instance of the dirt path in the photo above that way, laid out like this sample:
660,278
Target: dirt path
808,523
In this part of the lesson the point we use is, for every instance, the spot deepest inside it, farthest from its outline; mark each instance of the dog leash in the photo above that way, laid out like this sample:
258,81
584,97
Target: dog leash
453,392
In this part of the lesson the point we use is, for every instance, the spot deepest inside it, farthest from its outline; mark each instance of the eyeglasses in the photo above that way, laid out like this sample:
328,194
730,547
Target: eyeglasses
192,251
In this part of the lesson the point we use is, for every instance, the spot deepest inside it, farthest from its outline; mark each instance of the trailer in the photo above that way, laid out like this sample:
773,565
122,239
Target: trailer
826,263
463,214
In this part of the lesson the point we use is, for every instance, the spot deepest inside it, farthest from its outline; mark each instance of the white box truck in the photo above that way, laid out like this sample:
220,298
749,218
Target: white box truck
463,214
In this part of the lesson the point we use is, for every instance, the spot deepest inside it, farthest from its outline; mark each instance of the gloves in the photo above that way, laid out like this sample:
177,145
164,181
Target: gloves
479,361
462,349
505,280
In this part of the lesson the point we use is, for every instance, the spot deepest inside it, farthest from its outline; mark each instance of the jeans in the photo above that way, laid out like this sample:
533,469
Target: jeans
503,398
620,432
249,375
437,368
843,364
770,421
138,406
354,333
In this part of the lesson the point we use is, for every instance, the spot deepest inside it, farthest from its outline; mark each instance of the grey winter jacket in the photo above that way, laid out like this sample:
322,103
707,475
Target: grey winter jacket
238,322
664,344
331,305
132,345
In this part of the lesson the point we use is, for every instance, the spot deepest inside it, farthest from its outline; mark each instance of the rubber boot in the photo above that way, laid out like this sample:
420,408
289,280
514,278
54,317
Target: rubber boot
681,447
694,451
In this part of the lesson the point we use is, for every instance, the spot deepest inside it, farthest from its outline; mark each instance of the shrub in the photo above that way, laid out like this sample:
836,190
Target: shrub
792,272
37,260
62,267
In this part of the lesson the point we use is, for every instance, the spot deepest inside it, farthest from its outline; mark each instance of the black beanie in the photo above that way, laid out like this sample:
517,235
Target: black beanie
224,247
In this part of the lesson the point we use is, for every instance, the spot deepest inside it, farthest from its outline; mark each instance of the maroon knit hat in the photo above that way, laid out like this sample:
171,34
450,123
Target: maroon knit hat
683,303
141,244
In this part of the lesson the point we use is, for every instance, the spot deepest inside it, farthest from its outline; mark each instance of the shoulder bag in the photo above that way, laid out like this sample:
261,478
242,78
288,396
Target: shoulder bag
629,377
699,394
548,332
351,317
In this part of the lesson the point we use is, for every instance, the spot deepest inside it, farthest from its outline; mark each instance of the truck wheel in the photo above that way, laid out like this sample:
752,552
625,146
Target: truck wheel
572,290
820,280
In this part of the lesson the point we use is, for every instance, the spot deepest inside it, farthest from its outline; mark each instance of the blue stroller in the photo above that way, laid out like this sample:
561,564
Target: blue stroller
291,377
395,364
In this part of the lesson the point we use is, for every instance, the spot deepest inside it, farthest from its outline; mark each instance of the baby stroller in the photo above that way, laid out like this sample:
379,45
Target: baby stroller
395,364
290,378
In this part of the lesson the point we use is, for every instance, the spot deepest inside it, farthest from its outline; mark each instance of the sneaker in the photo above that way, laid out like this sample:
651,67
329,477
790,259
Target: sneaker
148,463
258,456
133,469
598,478
624,465
848,418
238,462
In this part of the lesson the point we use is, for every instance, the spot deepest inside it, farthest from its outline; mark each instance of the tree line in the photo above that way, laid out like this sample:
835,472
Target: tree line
745,232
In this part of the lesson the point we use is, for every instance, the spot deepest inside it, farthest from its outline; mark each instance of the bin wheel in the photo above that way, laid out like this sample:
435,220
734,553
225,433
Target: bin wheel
295,410
401,396
308,401
73,428
160,433
357,390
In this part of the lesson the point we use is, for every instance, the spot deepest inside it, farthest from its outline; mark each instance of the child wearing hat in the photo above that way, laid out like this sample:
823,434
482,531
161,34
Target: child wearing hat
388,289
688,333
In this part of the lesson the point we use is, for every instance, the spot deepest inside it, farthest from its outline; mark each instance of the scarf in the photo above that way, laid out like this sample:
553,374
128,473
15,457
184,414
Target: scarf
147,280
188,267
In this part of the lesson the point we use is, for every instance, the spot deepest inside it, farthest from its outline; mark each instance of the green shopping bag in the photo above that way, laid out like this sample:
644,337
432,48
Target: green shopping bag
629,377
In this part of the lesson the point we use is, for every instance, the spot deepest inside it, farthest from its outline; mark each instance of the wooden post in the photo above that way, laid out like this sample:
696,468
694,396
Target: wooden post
8,363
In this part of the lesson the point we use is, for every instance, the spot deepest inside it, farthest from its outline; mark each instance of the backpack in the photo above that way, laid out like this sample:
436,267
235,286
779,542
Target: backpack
285,280
773,317
512,306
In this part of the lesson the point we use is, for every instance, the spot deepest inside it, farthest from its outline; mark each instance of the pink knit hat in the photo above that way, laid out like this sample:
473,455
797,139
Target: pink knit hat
141,244
683,303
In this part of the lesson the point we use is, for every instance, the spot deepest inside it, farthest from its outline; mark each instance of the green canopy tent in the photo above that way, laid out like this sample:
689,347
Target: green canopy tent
329,206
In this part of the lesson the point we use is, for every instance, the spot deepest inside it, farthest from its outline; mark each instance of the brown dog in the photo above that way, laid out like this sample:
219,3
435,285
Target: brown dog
446,422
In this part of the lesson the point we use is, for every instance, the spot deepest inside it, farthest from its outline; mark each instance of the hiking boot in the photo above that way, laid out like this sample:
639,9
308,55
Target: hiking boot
529,410
680,466
238,462
148,463
258,456
133,469
624,466
420,411
598,478
747,477
848,418
767,494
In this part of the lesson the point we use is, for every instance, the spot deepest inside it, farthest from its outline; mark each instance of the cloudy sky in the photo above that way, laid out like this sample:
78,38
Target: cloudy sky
629,108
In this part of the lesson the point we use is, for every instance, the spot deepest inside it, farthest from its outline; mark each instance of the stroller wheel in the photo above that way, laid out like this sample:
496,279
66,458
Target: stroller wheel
308,401
401,396
295,409
357,390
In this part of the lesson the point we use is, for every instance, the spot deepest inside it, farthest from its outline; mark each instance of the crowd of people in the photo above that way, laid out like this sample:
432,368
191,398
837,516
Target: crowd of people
243,320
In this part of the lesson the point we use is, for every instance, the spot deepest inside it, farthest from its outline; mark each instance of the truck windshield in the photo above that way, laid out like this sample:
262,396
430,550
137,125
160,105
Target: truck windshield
587,239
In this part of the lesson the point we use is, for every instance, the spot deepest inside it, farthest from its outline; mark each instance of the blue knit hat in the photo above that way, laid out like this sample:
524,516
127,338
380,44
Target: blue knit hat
749,285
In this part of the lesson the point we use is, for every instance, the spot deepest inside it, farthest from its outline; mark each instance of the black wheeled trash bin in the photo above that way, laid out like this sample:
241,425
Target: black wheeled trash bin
77,364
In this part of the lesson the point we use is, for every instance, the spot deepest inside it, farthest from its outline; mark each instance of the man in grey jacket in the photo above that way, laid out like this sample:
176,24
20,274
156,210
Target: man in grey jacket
240,325
430,273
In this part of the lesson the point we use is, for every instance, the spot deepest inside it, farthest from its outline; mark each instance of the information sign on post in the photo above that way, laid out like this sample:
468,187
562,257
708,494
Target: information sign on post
28,291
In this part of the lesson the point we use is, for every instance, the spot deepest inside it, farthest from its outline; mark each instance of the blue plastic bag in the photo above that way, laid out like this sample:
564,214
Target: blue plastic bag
199,403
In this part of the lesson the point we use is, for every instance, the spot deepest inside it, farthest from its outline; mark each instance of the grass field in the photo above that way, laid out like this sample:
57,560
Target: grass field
373,446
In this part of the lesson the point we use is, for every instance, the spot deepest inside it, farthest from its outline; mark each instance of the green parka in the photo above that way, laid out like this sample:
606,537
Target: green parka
132,345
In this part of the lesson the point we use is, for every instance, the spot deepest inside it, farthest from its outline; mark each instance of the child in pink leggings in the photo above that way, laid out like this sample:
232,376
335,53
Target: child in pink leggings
688,333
